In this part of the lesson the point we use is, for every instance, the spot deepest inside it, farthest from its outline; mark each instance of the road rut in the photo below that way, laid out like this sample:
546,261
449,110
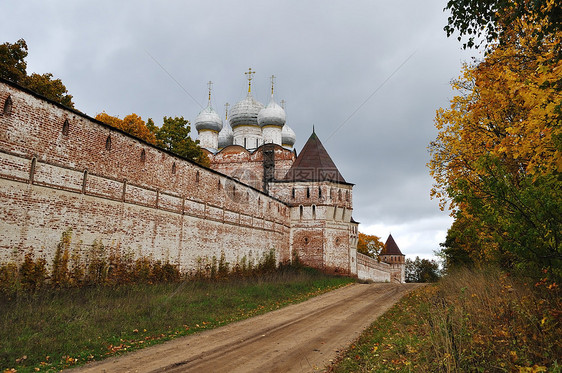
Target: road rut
299,338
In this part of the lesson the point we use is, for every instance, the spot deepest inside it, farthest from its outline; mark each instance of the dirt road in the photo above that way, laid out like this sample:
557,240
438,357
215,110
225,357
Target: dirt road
299,338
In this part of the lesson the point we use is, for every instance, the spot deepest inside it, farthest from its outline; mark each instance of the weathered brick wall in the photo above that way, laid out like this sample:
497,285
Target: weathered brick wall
108,186
370,269
247,166
320,221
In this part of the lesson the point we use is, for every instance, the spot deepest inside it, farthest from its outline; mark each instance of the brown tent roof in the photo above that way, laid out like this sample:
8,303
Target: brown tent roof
314,164
390,247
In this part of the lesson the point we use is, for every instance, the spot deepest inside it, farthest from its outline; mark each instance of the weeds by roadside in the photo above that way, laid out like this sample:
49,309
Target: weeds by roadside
50,329
471,321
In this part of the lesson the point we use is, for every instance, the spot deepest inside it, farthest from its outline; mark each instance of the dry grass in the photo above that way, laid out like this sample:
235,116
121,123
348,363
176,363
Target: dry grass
471,321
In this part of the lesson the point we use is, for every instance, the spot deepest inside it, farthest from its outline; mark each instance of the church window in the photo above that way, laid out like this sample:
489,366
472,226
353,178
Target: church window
339,195
319,192
219,186
313,211
347,195
8,106
143,156
337,241
256,143
306,240
244,142
293,193
307,192
174,168
335,210
108,143
247,196
301,208
197,177
65,127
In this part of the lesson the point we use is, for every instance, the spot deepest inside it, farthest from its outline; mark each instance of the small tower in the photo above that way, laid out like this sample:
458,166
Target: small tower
208,125
392,255
271,119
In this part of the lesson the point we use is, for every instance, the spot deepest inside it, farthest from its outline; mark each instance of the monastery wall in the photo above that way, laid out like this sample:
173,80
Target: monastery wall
370,269
60,169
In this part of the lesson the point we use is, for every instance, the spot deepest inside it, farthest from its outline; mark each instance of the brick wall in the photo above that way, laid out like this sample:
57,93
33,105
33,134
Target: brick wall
370,269
60,169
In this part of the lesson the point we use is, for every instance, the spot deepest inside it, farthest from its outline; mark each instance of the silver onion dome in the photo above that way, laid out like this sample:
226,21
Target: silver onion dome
271,115
226,136
208,119
245,112
288,136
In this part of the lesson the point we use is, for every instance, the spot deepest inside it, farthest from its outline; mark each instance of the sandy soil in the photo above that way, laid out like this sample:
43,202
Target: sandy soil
298,338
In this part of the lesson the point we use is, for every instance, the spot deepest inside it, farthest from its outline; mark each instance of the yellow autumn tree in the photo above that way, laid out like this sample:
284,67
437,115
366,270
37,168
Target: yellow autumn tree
497,157
131,124
369,245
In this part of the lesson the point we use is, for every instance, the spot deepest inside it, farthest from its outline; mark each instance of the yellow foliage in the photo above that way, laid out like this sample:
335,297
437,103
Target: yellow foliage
131,124
508,107
370,245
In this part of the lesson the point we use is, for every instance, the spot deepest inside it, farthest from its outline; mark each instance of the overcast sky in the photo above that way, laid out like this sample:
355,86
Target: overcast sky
368,75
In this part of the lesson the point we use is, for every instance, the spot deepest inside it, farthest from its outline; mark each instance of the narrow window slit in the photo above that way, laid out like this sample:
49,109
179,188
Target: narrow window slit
65,128
8,106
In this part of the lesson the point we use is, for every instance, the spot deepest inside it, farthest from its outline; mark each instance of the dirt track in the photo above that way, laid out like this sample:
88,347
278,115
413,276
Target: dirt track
299,338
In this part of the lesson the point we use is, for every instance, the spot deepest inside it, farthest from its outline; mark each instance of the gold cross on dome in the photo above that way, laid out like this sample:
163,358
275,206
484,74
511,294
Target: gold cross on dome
272,83
210,85
249,73
226,106
283,103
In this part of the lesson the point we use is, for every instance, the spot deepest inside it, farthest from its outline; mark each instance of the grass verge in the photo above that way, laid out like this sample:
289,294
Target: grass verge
54,329
471,321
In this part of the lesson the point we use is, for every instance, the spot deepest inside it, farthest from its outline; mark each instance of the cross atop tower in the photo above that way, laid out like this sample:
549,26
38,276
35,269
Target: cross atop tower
226,106
210,85
249,73
272,83
283,102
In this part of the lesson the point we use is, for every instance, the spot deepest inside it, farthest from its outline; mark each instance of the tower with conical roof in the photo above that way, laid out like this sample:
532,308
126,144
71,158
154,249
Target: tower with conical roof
392,255
323,231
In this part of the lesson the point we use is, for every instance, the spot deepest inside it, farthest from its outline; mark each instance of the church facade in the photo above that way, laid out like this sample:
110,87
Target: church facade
62,170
